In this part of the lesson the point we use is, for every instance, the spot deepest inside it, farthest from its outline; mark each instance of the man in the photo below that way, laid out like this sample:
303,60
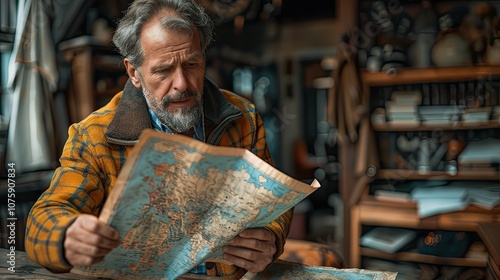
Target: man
163,43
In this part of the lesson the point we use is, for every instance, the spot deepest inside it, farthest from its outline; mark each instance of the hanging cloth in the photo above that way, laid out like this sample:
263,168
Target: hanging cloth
32,80
348,110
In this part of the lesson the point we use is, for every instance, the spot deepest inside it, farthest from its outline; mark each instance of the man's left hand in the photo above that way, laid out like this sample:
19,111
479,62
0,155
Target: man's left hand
252,249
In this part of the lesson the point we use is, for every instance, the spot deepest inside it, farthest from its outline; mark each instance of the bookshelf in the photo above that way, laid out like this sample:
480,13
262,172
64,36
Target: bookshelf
402,174
456,125
489,233
366,211
429,75
363,210
421,258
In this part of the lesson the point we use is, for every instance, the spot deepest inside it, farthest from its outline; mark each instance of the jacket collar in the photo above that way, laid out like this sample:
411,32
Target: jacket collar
132,117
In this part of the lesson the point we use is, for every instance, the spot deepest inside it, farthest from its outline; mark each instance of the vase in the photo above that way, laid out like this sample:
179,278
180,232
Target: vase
451,50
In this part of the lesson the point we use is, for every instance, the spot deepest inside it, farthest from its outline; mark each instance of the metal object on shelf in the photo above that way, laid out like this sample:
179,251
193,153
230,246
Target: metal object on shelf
371,171
451,167
424,156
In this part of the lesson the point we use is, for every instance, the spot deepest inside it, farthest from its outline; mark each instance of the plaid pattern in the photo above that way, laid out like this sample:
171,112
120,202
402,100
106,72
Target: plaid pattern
88,172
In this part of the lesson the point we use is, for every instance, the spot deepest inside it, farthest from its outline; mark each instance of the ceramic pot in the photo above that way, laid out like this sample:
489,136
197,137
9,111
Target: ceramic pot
451,50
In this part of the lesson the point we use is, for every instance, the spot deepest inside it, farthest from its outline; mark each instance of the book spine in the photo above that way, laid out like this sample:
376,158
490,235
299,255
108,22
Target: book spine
461,93
444,94
453,94
426,94
435,94
470,101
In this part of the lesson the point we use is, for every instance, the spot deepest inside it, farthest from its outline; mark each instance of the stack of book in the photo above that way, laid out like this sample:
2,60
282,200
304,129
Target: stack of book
455,196
402,108
439,115
481,155
476,115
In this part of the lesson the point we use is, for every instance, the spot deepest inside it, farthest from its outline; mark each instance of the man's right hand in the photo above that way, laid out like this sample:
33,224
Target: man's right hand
88,240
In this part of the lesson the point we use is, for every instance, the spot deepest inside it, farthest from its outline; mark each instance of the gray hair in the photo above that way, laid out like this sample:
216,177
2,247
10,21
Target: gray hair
128,32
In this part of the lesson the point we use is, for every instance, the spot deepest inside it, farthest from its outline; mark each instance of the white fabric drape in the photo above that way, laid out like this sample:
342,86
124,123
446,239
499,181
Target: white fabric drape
32,81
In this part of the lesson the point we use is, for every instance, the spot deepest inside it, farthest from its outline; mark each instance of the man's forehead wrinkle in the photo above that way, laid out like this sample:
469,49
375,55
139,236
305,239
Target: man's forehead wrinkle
156,42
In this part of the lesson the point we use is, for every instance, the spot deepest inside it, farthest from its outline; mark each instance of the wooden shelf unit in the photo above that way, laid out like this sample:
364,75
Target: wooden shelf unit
394,214
367,211
421,258
489,234
429,75
403,174
391,214
422,126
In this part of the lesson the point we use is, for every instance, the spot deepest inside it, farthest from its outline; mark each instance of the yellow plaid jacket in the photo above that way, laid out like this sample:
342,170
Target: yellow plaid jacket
96,150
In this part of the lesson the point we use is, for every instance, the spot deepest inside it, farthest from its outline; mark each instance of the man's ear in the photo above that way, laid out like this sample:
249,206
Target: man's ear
133,73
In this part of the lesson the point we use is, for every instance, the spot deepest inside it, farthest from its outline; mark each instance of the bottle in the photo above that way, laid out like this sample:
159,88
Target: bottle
426,29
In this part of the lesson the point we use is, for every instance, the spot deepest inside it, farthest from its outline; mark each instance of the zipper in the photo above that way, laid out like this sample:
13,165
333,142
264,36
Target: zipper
214,137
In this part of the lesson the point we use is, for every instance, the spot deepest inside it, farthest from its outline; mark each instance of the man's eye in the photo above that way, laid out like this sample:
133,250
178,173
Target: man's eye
193,64
163,71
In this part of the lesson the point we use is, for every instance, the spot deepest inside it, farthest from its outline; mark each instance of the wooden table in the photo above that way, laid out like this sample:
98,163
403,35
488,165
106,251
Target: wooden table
489,233
26,269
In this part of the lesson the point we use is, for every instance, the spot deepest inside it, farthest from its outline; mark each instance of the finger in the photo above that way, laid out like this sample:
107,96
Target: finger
93,224
79,253
77,259
77,247
250,260
254,244
243,253
77,234
258,233
91,239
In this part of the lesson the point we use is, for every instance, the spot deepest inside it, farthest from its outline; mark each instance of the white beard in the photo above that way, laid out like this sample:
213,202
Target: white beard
179,120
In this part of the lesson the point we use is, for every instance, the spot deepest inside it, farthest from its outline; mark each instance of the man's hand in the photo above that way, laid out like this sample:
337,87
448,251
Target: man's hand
252,249
88,240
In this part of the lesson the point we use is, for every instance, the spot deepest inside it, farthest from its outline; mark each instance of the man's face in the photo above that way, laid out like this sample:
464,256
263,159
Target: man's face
171,75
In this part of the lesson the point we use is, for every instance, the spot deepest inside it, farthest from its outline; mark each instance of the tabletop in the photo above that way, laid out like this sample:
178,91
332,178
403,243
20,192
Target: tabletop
19,266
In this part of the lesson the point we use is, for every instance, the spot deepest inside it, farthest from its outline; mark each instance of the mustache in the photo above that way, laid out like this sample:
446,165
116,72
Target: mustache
178,96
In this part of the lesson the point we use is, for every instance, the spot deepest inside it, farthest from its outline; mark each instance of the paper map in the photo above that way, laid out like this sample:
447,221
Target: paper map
178,201
294,271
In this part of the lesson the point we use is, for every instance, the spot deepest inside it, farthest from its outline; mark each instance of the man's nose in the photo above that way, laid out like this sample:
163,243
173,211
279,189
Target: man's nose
180,81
